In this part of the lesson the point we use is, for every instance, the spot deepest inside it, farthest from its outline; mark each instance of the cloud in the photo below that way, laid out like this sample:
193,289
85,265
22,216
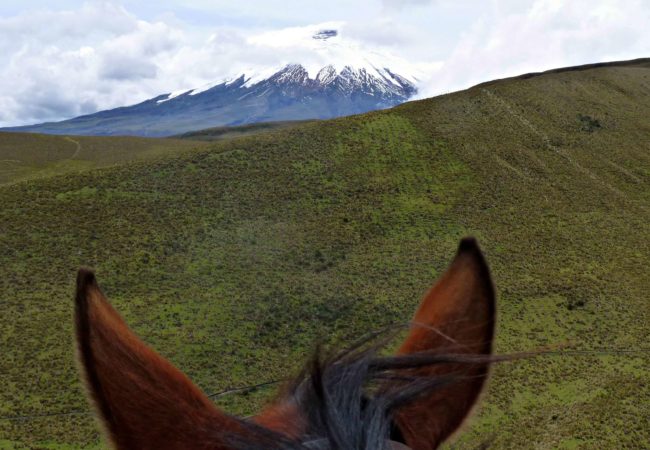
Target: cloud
122,67
132,56
546,35
400,4
92,20
60,64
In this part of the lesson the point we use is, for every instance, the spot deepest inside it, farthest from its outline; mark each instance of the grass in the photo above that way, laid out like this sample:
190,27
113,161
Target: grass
219,133
26,156
234,258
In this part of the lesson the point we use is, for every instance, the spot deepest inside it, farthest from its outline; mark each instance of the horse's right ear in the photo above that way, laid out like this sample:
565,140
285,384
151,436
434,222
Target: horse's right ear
456,317
144,402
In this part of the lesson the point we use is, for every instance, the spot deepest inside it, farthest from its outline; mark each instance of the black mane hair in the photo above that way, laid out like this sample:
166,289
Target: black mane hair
348,399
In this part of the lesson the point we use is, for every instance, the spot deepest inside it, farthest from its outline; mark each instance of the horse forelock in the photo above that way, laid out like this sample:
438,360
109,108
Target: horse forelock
349,400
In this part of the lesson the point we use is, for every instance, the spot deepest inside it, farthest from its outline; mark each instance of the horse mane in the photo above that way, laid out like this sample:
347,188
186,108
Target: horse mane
348,399
357,398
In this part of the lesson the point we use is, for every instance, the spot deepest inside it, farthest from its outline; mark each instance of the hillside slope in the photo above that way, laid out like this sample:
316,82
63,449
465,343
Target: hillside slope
27,155
221,133
233,260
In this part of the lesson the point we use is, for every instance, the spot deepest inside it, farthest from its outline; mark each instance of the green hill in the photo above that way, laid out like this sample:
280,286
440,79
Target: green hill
219,133
26,155
234,259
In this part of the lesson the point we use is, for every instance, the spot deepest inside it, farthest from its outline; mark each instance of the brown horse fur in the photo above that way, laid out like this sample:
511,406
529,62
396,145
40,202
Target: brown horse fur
455,316
426,390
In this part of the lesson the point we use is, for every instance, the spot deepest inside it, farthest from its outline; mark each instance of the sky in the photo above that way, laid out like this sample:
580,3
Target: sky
78,57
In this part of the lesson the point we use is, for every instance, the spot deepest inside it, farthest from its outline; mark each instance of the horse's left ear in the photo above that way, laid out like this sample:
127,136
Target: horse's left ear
456,318
144,402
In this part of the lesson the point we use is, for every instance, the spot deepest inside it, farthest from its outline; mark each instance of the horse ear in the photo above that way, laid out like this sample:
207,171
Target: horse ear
456,317
143,401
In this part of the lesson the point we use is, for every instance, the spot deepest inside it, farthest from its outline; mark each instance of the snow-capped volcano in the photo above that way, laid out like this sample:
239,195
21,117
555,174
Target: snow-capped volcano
335,78
387,87
332,62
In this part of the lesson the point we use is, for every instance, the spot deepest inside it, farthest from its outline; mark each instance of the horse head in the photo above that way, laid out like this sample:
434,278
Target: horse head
417,398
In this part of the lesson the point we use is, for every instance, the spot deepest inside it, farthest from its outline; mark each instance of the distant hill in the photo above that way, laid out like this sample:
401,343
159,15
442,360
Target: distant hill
27,155
234,259
220,133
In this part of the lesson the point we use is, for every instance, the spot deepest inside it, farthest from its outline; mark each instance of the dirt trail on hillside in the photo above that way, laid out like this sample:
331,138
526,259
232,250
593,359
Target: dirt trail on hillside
77,143
500,101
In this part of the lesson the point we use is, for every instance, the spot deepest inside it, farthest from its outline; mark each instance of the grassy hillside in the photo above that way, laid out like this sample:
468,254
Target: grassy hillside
219,133
26,155
232,260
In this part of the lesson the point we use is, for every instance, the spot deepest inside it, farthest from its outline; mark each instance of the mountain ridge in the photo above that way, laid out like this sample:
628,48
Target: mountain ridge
288,94
336,78
524,76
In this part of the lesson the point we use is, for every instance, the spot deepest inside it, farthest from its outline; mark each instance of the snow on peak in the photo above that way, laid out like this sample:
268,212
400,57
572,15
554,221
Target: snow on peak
318,46
326,75
320,54
291,73
173,95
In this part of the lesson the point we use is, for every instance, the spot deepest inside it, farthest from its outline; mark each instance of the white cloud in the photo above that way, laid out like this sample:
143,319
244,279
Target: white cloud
51,63
549,34
399,4
59,64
